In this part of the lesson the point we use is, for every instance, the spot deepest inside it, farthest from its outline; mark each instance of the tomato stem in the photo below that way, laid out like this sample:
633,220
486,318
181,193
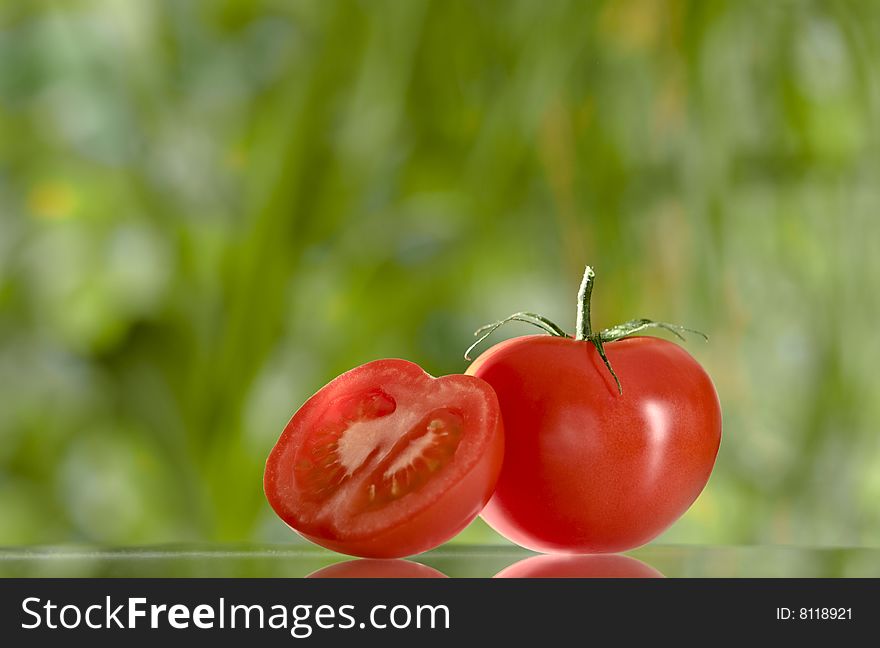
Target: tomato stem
584,328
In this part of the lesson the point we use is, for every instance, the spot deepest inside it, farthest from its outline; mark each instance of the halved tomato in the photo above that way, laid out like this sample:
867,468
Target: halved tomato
386,461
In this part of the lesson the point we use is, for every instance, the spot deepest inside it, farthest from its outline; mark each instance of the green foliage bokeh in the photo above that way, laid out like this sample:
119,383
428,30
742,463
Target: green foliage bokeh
208,210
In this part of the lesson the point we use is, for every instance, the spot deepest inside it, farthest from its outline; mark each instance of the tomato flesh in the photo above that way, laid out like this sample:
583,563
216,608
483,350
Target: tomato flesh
386,461
318,467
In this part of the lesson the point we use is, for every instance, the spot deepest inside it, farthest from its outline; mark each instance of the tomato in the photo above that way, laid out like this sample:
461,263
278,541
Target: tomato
375,568
601,454
594,566
386,461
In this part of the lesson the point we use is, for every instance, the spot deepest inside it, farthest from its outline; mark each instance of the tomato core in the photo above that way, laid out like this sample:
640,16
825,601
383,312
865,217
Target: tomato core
352,433
420,453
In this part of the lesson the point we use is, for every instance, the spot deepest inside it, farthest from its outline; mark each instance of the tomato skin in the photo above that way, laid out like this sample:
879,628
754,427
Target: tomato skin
447,501
587,566
587,470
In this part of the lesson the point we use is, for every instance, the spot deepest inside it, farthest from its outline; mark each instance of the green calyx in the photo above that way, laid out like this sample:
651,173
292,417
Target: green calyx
584,326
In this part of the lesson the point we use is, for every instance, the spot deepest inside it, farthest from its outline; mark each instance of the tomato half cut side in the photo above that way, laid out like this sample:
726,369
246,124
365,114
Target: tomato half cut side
386,461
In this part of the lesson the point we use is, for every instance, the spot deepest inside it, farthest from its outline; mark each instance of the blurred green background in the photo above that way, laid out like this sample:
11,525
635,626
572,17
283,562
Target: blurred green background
208,210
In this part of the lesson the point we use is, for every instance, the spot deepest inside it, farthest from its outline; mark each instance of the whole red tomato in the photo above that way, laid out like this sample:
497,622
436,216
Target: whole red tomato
386,461
609,439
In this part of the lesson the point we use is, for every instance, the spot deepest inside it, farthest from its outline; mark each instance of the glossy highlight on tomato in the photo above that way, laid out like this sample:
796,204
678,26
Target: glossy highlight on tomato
386,461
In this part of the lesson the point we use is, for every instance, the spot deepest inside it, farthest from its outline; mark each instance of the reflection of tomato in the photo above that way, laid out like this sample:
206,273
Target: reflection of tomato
592,466
595,566
386,461
373,568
